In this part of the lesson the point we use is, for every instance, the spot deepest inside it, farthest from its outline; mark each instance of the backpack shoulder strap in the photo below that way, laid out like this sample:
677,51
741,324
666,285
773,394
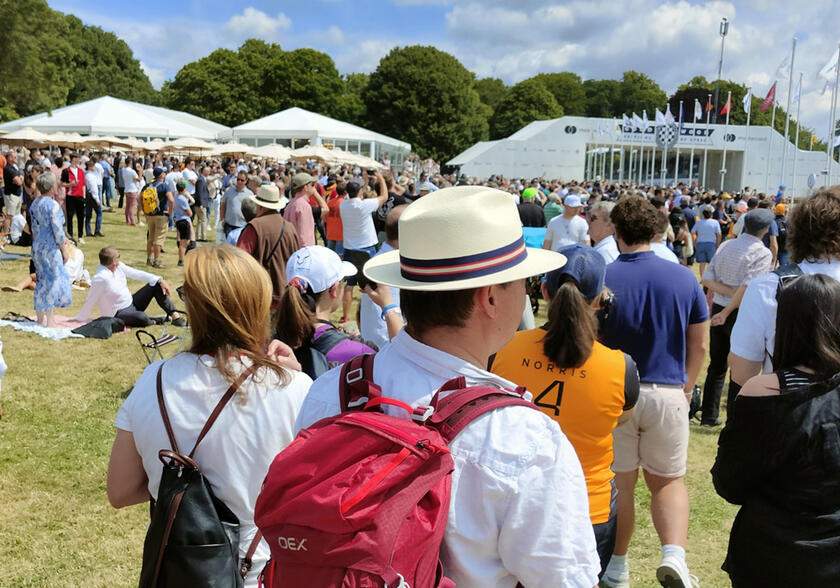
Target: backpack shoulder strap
328,339
356,387
163,413
464,404
221,404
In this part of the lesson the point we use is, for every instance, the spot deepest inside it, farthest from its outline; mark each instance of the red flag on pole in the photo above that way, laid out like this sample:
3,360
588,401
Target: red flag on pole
769,99
728,106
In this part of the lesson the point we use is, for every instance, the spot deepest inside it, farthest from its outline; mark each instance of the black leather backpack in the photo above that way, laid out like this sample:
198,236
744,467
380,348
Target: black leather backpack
193,537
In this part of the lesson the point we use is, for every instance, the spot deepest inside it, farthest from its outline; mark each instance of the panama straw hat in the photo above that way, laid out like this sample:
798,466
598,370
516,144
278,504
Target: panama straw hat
458,238
268,196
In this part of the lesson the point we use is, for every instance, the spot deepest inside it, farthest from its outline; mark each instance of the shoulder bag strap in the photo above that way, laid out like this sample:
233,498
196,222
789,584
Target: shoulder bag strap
247,562
163,413
221,404
277,242
458,409
356,387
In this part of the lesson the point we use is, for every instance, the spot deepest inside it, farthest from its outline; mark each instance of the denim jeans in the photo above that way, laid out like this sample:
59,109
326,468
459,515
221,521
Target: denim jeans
91,206
107,190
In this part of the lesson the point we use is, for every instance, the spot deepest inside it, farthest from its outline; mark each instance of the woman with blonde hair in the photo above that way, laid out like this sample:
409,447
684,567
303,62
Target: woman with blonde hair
227,295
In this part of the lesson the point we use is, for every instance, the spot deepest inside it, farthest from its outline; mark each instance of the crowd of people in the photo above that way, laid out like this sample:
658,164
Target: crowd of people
539,497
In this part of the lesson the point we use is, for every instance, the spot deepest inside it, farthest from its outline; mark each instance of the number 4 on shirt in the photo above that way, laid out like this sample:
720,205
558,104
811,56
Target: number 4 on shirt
546,394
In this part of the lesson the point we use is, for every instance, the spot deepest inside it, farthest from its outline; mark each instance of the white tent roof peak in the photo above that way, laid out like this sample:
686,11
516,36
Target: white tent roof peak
107,115
299,123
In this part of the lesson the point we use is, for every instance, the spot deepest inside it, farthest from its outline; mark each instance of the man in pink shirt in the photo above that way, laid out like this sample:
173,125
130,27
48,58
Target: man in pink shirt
299,212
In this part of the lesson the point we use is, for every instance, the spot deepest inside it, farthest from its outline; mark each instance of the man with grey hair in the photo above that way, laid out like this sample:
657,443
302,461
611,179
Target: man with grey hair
45,183
602,231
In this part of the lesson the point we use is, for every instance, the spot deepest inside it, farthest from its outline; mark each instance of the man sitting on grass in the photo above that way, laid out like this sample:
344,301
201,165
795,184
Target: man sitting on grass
110,292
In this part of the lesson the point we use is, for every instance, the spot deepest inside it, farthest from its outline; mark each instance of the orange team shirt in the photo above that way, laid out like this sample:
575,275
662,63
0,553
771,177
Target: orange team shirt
335,230
586,402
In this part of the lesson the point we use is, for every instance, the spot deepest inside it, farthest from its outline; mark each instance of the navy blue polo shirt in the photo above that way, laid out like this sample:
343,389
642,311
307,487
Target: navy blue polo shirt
655,302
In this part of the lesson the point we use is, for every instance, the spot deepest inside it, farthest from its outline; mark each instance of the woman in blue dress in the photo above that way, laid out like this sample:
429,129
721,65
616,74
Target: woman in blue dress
49,252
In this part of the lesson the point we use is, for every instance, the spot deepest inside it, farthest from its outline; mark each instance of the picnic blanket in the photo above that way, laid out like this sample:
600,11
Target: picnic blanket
65,331
6,256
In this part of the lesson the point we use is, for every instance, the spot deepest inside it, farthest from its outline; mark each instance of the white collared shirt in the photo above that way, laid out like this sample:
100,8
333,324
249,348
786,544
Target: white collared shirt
519,510
608,249
110,292
754,334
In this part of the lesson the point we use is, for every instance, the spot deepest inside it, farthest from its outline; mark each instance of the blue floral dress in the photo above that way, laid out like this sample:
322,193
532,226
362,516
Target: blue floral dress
52,288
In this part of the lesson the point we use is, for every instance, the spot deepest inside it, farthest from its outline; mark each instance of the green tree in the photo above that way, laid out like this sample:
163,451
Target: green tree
491,91
567,89
37,55
351,107
602,98
218,87
425,96
638,92
104,65
526,102
310,80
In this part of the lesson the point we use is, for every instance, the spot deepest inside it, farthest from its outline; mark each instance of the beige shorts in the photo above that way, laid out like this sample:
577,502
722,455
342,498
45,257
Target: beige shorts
655,437
157,226
12,204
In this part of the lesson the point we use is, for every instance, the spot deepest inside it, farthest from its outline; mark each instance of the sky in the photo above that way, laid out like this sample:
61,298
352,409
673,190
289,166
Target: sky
510,39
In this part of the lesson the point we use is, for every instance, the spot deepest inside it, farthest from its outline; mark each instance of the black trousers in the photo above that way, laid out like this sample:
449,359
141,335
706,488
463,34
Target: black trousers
134,315
121,190
718,365
75,208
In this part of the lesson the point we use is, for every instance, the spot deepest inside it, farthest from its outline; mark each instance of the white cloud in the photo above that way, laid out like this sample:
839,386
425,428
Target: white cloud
156,75
334,36
256,23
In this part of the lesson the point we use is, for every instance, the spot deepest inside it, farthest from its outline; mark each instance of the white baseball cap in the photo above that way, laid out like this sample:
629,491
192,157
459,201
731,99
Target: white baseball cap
572,201
318,267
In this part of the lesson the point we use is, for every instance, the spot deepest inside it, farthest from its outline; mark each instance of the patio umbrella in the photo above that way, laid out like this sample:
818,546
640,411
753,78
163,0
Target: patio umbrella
25,136
273,151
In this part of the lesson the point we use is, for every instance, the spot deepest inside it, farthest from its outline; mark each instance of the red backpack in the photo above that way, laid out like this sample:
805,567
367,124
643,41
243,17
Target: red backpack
360,500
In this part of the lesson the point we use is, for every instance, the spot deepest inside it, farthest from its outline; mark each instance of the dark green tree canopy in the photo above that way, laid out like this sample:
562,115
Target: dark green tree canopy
425,96
526,102
491,91
567,89
602,97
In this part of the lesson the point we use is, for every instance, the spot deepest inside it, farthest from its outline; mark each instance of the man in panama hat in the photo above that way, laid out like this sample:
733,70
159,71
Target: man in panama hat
519,509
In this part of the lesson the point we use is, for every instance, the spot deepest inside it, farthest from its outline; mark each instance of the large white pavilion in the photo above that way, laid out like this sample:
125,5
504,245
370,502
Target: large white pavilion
717,156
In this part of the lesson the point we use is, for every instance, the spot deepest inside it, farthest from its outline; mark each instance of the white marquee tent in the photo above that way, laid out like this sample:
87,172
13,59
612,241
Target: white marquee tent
296,127
120,118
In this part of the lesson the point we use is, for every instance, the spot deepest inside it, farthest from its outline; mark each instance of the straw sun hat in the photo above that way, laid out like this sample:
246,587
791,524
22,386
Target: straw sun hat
458,238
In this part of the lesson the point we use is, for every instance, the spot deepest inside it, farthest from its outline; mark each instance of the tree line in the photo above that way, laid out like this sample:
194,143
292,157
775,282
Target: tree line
419,94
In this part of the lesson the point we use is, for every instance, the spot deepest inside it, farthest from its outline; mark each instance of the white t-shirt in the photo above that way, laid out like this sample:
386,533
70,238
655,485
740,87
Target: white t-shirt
371,323
16,228
239,448
130,180
75,266
519,507
190,177
171,178
562,231
357,222
754,333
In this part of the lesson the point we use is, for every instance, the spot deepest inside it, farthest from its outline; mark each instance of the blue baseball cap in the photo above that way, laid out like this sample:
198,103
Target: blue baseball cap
158,170
585,266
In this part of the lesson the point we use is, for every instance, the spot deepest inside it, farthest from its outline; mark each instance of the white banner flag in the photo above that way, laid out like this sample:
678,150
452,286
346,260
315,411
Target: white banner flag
645,122
748,100
782,70
698,112
669,118
837,141
660,118
827,72
625,121
638,123
796,92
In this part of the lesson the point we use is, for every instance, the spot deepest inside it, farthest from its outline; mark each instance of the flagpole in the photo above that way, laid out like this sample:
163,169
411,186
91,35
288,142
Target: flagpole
746,141
725,128
612,149
787,111
706,143
796,141
677,160
830,146
691,158
769,146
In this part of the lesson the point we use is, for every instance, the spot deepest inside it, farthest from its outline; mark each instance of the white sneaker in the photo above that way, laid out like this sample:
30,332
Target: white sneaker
622,580
673,573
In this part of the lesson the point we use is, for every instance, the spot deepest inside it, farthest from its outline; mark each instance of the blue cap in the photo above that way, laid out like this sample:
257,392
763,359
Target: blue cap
158,170
585,266
782,187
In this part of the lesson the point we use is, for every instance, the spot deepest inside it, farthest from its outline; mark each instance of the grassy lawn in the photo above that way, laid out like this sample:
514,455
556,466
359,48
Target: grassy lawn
59,404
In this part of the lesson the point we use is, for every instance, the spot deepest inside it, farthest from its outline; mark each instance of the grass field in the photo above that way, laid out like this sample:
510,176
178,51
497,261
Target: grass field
59,404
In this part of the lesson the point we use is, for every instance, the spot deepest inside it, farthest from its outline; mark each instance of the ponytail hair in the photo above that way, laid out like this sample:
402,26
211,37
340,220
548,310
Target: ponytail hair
572,327
296,314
